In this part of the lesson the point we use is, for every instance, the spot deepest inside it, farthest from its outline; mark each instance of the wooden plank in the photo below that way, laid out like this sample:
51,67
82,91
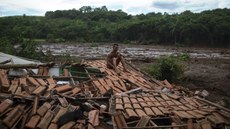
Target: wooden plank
143,121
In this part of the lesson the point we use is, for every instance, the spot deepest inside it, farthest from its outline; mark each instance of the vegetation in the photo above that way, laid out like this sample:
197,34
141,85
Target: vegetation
168,67
87,24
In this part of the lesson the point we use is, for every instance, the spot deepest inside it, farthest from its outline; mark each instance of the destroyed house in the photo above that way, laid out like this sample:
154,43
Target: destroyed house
89,95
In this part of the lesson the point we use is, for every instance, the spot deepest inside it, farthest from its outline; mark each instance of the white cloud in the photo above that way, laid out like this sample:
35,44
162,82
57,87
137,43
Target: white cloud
39,7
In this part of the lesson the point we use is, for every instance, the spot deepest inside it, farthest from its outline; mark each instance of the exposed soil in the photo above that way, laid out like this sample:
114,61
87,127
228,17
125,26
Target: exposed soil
209,68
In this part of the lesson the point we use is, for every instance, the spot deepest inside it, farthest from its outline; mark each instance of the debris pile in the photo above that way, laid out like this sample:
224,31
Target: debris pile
89,95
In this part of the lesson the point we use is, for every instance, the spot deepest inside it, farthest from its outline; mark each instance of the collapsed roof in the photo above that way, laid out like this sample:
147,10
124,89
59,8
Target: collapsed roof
98,97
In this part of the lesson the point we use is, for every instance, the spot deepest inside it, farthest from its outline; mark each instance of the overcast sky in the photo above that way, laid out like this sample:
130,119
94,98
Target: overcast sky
39,7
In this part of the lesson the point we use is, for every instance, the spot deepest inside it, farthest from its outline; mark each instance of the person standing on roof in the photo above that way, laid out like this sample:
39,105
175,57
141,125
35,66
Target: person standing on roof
114,58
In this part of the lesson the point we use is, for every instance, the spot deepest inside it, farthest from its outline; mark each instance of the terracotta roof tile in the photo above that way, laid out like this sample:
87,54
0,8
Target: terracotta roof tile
50,81
44,108
149,112
53,126
13,116
157,111
126,100
5,105
68,125
164,110
183,114
140,112
146,99
33,121
140,100
150,104
143,104
119,101
63,88
196,114
133,96
127,106
41,82
133,100
32,81
119,107
136,106
131,113
157,104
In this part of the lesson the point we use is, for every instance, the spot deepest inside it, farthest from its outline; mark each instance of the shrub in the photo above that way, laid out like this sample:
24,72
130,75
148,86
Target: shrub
185,57
169,68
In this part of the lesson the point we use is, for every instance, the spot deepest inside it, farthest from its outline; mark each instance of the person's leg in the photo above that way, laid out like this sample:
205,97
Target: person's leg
121,59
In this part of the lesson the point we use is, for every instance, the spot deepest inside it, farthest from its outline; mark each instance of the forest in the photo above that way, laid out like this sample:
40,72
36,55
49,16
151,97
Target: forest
208,28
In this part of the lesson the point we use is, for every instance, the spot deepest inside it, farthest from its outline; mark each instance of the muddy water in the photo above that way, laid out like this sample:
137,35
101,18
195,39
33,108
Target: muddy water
132,51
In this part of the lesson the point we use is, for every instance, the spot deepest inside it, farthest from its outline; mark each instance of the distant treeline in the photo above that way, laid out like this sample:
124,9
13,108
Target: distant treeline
87,24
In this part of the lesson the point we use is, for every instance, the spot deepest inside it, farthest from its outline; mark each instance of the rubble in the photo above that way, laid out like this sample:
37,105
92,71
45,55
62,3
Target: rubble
89,95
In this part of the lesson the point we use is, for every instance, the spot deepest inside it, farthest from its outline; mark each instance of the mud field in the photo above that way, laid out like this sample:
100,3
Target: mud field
209,68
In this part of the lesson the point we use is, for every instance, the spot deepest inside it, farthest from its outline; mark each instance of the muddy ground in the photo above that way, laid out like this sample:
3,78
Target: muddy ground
209,68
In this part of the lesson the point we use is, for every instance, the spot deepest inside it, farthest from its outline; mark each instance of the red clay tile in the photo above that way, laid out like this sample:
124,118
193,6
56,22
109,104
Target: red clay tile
32,123
39,90
147,99
152,99
136,106
157,111
119,107
13,116
45,121
13,86
131,113
119,101
76,90
53,126
140,112
59,114
143,104
68,125
5,105
63,88
43,109
133,100
126,100
164,110
140,100
5,84
51,81
32,81
41,81
93,119
149,112
127,106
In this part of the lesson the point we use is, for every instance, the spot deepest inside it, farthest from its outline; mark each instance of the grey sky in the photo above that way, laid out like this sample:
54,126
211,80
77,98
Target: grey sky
39,7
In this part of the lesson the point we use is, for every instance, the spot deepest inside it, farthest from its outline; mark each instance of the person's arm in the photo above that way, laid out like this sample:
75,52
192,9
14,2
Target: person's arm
123,63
